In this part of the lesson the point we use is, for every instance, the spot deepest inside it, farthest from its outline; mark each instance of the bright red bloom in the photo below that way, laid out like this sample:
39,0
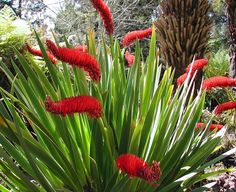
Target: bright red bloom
40,54
129,58
181,79
105,14
212,126
82,48
225,106
77,58
136,167
130,37
197,64
71,105
218,82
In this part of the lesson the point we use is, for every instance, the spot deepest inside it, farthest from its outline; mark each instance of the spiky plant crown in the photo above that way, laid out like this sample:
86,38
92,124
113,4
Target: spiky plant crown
184,30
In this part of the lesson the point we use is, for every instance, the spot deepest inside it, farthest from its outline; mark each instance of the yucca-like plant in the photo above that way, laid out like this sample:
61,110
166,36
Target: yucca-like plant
183,30
132,119
141,116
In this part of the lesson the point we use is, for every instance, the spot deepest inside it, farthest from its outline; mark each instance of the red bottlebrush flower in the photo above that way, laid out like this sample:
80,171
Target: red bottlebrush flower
82,48
212,126
225,106
130,37
136,167
71,105
77,58
218,82
129,58
105,14
40,54
181,79
197,64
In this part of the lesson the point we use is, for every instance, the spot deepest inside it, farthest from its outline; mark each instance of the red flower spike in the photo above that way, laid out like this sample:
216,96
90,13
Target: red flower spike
129,58
82,48
197,64
225,106
77,58
105,14
132,165
218,82
136,167
212,126
40,54
71,105
130,37
181,79
153,173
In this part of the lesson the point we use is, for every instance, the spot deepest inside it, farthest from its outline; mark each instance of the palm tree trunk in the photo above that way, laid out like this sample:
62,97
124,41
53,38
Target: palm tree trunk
183,32
231,15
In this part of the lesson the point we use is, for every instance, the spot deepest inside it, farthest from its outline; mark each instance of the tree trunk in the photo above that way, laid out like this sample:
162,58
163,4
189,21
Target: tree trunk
183,32
231,15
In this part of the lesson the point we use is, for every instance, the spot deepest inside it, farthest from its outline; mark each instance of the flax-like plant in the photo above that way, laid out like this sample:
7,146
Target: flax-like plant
41,151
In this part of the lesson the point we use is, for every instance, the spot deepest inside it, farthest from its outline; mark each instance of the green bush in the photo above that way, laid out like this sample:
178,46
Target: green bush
13,32
218,64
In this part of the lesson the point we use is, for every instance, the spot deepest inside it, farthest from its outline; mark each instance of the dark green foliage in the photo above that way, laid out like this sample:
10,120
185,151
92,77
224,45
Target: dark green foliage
218,64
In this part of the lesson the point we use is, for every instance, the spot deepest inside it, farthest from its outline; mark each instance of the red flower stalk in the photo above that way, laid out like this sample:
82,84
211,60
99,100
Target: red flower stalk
71,105
136,167
77,58
218,82
129,58
181,79
40,54
82,48
105,14
212,126
197,64
225,106
130,37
